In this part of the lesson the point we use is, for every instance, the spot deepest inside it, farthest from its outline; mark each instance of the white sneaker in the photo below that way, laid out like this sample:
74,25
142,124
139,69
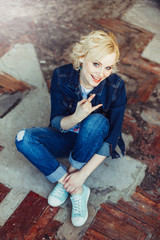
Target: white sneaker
58,196
79,207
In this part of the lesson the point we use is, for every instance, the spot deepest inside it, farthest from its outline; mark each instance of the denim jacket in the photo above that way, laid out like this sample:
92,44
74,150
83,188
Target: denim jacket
66,92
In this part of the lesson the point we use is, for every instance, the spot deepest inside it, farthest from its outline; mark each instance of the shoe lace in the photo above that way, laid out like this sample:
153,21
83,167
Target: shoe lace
59,191
77,205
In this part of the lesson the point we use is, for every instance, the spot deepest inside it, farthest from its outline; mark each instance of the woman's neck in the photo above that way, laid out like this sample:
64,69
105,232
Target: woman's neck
83,82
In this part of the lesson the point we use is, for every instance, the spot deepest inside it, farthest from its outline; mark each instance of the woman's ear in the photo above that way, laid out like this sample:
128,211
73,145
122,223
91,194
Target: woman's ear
81,59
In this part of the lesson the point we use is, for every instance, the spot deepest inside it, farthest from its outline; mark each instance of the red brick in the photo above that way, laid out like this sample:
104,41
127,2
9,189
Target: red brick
136,210
132,71
150,66
9,84
133,40
141,41
154,198
146,82
156,235
50,230
118,26
114,227
1,148
92,234
138,219
24,217
143,63
128,219
145,144
4,48
3,191
146,89
44,226
11,92
151,207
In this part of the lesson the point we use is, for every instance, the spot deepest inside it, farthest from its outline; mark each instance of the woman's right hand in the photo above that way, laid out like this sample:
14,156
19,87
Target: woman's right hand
84,108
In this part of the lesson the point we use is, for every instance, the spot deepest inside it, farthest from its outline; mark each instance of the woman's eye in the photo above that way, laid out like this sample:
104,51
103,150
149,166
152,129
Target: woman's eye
96,64
108,68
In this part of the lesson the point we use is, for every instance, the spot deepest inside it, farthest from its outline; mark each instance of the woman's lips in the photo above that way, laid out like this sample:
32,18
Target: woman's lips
96,79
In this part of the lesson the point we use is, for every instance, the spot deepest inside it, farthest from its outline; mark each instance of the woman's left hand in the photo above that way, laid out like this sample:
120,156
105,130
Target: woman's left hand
74,181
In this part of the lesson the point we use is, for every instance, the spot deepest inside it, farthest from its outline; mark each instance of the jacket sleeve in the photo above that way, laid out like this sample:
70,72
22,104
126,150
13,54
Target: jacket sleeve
115,116
58,110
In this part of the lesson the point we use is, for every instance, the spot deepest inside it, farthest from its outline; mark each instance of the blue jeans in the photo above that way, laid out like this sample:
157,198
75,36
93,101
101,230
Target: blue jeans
42,146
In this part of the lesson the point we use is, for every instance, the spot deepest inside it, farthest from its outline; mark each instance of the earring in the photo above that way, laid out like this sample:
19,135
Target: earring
80,67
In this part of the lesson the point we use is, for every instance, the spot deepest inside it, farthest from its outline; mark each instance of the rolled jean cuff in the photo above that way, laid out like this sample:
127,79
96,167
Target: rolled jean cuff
104,149
57,174
56,123
75,164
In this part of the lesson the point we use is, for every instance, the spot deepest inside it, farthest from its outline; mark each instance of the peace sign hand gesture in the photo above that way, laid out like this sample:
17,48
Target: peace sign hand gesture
84,108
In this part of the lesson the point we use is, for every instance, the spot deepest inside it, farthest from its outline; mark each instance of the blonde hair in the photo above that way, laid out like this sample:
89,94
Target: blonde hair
95,45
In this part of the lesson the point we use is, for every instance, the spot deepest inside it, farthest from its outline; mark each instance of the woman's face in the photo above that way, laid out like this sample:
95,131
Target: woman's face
94,72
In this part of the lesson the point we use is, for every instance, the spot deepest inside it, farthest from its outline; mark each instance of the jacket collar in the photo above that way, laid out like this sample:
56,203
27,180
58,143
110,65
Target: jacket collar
74,79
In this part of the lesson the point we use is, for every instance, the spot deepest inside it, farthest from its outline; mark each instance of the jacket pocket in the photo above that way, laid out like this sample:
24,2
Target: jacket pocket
69,104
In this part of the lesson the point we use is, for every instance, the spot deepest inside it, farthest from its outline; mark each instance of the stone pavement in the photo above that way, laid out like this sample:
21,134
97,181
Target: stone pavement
34,40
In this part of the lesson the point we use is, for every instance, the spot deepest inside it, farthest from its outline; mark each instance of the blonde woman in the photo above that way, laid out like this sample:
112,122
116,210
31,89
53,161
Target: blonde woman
87,107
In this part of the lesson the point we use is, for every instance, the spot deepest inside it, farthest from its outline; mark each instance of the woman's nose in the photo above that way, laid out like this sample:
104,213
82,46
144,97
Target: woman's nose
100,72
